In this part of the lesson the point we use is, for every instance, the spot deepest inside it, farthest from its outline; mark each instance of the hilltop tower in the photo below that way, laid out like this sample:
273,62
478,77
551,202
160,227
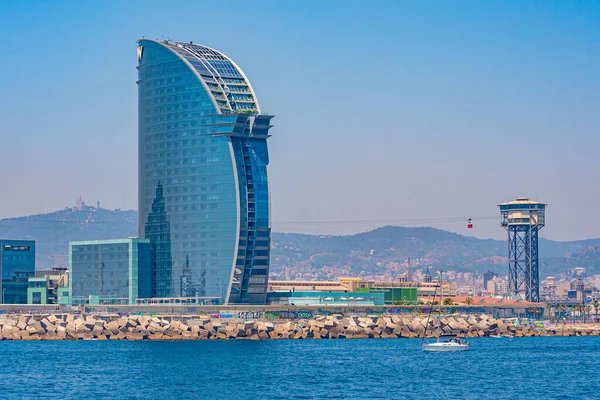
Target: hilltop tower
523,219
580,287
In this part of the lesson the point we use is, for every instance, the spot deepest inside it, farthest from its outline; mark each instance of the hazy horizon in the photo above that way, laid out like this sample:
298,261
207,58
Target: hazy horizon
364,226
427,113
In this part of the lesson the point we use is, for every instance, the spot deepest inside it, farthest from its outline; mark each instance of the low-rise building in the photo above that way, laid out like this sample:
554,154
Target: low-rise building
110,271
307,286
49,287
358,283
343,284
326,298
394,295
352,288
426,289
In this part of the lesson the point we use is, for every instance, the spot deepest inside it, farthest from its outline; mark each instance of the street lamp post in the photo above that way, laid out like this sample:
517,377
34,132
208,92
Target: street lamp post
3,290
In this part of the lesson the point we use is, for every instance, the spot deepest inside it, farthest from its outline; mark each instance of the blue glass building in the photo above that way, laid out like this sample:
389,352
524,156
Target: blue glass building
204,195
110,271
17,264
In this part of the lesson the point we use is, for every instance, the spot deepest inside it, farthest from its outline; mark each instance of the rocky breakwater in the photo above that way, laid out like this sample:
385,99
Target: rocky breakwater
168,327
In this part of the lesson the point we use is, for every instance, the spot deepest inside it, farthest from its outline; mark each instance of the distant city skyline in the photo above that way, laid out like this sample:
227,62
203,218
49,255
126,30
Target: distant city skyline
392,113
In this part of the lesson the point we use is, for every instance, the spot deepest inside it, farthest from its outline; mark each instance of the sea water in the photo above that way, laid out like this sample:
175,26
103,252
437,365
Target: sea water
524,368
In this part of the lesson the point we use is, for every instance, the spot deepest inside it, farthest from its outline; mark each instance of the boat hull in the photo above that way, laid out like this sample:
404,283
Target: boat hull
445,347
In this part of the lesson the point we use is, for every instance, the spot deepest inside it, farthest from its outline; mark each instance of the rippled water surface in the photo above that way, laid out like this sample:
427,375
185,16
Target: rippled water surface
525,368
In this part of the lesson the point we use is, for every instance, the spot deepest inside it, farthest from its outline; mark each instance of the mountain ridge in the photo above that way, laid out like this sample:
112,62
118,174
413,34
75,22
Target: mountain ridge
391,245
381,253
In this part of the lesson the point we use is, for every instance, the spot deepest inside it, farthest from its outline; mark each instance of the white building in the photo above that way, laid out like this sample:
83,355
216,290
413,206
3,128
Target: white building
497,286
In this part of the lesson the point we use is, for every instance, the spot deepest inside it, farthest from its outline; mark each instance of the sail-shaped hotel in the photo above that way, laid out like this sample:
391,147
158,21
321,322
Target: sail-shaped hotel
204,190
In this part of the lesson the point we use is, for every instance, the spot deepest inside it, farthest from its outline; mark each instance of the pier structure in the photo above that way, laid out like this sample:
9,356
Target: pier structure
523,219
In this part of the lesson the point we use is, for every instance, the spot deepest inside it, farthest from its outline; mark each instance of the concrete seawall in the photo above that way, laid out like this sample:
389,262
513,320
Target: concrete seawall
170,327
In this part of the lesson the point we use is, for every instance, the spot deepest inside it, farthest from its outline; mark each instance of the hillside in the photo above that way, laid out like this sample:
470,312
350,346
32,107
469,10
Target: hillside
53,231
381,253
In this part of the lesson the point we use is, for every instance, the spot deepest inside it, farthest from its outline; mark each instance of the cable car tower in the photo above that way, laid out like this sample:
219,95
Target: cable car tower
523,219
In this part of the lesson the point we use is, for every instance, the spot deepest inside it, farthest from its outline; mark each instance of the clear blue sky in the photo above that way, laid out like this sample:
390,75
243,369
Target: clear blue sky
384,110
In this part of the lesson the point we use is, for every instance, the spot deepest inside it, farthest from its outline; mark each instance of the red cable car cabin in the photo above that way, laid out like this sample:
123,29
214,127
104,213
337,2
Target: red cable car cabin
469,224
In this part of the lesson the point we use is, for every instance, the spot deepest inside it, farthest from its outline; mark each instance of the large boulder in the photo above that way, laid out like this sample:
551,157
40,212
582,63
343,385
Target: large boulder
47,325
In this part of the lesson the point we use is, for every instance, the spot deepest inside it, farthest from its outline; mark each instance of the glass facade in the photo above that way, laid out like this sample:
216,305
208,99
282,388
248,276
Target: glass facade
17,264
47,286
204,194
119,269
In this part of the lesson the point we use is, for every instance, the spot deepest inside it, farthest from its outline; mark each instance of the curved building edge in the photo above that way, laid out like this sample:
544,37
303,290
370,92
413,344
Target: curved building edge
246,134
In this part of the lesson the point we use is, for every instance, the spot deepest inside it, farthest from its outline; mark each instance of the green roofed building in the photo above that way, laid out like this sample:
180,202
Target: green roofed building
394,295
110,271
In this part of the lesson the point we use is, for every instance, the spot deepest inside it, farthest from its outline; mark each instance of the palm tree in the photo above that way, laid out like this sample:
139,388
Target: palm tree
596,305
561,310
448,301
586,310
554,309
582,312
577,308
469,301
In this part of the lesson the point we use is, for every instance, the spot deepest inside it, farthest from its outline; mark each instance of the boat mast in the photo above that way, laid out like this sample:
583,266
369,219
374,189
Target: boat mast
440,306
431,311
429,315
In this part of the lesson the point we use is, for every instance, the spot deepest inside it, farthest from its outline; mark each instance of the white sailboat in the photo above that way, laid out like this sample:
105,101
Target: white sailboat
445,342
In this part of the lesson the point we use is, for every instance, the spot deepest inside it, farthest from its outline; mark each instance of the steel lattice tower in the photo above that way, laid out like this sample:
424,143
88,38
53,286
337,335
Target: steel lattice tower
523,219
